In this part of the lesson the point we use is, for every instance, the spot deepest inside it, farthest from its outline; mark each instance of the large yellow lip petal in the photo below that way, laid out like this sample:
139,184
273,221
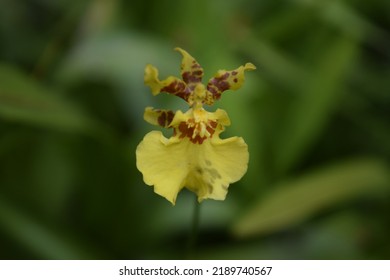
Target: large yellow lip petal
163,164
207,169
215,165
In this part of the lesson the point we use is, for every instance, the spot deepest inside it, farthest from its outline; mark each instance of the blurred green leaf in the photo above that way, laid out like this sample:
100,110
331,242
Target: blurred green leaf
120,58
39,239
275,63
343,230
295,201
23,99
345,18
287,22
313,107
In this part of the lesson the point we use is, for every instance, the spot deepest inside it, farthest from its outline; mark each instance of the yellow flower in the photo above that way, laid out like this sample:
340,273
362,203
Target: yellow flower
195,157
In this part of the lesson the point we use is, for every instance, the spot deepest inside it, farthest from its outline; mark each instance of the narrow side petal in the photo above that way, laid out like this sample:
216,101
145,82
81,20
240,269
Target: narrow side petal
225,80
221,116
191,71
170,85
158,117
163,163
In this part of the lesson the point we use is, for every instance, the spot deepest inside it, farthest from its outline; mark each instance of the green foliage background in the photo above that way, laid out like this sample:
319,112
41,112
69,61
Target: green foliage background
315,115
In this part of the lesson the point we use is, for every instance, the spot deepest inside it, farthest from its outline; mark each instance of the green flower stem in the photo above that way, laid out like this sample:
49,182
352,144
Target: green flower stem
194,229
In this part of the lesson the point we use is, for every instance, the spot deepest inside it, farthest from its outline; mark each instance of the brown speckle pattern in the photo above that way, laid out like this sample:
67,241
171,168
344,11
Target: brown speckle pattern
191,129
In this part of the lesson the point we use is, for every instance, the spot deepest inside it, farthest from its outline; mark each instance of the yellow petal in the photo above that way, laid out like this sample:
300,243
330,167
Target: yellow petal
163,164
198,124
221,116
225,80
191,71
170,85
216,164
206,169
158,117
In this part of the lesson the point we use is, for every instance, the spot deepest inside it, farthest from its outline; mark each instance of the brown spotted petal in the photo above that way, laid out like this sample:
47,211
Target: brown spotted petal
225,80
171,85
191,71
158,117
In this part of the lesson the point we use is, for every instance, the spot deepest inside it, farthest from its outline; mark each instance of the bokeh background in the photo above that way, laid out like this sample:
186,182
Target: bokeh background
315,115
